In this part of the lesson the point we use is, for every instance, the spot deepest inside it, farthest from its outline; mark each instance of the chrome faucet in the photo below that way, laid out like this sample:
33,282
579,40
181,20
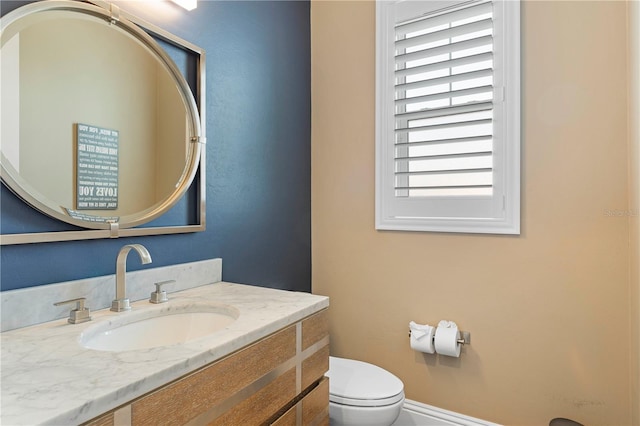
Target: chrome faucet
121,303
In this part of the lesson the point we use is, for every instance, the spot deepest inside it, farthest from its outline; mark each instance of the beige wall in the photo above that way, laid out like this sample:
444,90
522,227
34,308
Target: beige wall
634,204
548,310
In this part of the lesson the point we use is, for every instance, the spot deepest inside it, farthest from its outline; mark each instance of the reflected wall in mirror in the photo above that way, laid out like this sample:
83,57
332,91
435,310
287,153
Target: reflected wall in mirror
99,128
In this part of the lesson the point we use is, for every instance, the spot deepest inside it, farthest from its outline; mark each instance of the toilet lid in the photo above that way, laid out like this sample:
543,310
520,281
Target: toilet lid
359,383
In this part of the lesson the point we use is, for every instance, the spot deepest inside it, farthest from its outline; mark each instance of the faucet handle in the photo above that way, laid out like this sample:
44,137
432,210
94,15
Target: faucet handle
78,315
160,296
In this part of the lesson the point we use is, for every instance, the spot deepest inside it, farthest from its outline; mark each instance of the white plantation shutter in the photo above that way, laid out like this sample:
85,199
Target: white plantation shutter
448,116
443,103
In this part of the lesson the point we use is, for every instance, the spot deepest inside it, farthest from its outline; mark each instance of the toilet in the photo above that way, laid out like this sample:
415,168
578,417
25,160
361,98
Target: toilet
362,394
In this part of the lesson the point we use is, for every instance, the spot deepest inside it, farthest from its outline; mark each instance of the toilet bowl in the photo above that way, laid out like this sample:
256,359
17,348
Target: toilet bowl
362,394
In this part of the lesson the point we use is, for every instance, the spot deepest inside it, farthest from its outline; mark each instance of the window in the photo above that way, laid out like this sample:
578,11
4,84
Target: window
448,116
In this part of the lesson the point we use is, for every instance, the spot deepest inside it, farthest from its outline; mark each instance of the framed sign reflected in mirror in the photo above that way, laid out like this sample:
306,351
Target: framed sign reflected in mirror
100,128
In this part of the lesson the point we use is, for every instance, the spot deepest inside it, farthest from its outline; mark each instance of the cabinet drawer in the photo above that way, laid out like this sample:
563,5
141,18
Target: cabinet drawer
312,410
214,387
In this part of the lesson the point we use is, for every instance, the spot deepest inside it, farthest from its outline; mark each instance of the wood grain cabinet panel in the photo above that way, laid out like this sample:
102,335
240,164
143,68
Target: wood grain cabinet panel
196,393
315,406
105,420
258,408
289,418
278,380
315,366
312,410
315,328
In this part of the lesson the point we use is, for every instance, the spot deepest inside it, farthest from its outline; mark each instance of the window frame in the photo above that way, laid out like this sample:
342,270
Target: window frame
471,212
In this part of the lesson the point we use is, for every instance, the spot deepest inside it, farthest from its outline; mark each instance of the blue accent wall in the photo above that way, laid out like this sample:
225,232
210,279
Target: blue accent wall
258,158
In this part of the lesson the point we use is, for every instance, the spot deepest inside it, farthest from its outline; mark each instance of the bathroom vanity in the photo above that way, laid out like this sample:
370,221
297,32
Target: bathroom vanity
266,367
277,380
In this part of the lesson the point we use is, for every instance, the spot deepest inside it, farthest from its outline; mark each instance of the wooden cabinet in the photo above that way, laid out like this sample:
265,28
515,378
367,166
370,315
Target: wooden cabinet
278,380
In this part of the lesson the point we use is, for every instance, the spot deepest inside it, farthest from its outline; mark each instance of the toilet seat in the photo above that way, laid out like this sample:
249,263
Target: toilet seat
361,384
366,402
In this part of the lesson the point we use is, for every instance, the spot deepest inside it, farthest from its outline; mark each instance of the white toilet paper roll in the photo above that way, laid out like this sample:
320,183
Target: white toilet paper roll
446,341
424,343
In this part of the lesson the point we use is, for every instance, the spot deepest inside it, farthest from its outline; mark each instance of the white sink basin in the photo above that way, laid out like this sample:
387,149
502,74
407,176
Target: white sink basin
158,326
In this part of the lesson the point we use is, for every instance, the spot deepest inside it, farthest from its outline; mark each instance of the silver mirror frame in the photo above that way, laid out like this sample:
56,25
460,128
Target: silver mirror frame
196,112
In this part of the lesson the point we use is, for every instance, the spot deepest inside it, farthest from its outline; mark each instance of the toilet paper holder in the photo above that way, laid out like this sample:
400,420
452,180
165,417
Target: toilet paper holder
465,337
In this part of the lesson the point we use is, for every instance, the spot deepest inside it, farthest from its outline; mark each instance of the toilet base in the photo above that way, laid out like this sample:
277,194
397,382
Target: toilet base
347,415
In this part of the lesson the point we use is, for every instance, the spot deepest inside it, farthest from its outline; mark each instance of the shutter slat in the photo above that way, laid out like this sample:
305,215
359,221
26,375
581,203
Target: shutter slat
444,172
459,30
443,18
398,188
444,111
435,66
444,125
446,156
451,141
447,48
455,78
447,95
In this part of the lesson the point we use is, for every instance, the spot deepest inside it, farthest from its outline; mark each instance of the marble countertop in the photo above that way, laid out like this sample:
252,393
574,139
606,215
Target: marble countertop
48,378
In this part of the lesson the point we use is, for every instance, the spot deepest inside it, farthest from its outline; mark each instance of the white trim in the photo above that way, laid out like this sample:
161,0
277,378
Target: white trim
416,413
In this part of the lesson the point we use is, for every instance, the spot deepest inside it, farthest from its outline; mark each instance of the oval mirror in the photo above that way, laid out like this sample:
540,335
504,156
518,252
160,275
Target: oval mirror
99,128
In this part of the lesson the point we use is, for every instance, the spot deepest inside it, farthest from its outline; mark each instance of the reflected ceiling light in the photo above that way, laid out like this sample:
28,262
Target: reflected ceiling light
187,4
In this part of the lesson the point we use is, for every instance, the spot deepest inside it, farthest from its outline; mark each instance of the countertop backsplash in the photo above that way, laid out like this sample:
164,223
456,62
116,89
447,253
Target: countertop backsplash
34,305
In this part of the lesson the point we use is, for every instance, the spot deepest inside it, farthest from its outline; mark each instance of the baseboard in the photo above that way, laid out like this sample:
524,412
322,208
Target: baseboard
418,414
